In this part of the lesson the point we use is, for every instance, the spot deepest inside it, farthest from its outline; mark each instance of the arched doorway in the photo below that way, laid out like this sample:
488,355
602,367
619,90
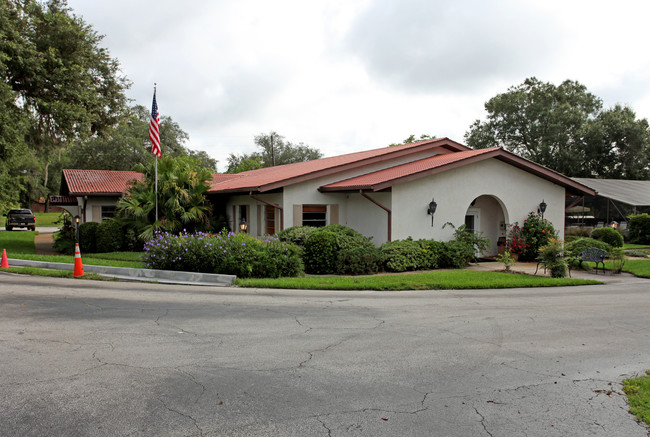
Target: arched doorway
489,216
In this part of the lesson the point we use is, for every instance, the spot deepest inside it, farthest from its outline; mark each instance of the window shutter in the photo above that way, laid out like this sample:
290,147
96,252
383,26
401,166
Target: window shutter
334,214
297,215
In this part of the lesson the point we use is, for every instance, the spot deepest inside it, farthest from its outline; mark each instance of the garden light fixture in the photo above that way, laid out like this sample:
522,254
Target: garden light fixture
243,225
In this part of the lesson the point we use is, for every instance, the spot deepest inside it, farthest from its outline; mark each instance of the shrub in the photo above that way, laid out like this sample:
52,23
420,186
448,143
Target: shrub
321,252
639,228
455,254
573,237
575,248
432,249
359,261
537,233
110,236
322,247
404,255
88,236
64,239
609,235
552,256
296,235
228,253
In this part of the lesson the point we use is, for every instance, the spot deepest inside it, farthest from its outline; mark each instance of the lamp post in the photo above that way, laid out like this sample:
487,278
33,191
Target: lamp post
542,208
76,226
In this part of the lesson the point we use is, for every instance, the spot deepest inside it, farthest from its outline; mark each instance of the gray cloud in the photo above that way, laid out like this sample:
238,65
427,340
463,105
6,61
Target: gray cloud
447,45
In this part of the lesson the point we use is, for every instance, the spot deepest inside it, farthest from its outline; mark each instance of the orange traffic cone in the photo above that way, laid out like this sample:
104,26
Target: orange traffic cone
5,263
78,266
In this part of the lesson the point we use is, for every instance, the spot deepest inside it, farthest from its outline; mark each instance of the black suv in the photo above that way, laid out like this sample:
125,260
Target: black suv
20,218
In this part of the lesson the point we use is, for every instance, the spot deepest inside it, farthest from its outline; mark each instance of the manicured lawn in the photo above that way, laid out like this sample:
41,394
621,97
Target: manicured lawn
111,259
638,267
55,273
17,242
48,219
635,246
439,280
638,395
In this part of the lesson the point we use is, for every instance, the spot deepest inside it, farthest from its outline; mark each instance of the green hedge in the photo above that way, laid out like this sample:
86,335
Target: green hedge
608,235
338,249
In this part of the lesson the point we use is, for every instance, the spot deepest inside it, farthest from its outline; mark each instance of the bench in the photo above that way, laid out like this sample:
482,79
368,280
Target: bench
593,255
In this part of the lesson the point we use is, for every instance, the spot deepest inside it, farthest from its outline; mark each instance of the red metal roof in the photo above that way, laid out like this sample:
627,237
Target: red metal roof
99,182
270,178
381,179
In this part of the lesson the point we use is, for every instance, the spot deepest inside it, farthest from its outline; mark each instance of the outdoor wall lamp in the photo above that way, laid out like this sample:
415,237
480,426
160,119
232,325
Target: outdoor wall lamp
243,225
542,208
431,210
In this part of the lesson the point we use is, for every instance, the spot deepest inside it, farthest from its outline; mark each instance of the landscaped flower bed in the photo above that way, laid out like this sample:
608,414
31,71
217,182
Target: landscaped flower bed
227,253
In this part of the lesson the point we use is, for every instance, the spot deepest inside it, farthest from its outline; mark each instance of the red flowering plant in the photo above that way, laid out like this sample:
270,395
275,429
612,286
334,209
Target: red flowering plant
515,240
537,233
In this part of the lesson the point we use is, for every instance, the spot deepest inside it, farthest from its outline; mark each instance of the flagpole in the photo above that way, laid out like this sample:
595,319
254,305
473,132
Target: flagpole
154,135
156,188
156,166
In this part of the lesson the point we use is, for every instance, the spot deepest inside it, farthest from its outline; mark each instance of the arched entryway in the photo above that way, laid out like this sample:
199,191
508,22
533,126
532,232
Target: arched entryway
488,215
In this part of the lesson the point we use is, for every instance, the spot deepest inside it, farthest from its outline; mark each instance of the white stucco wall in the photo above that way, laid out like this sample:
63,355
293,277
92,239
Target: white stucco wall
454,190
509,195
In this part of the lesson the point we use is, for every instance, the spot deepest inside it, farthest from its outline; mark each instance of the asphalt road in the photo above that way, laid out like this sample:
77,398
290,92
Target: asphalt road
105,359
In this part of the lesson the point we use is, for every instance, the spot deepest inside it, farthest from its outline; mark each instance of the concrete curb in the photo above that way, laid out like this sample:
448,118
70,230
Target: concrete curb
162,276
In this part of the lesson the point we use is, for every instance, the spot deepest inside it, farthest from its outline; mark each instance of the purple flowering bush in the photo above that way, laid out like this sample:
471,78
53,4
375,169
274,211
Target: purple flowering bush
227,253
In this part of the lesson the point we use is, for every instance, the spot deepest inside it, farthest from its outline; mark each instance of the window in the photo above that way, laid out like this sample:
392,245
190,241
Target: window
108,212
314,215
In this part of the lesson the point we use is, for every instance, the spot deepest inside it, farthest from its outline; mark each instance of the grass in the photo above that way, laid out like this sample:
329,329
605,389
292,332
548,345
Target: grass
635,246
638,395
55,273
17,242
48,219
638,267
111,259
438,280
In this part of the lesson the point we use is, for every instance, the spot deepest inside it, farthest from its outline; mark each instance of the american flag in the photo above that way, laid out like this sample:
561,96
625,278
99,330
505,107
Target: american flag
154,128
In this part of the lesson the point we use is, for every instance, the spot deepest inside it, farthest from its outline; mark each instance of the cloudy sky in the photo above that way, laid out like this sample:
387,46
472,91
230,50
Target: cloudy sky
349,75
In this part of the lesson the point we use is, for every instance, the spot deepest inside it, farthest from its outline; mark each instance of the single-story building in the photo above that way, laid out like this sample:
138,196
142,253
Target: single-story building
391,193
93,194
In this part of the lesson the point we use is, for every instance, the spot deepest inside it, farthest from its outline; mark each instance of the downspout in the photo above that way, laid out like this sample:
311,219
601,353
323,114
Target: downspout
85,203
390,213
272,205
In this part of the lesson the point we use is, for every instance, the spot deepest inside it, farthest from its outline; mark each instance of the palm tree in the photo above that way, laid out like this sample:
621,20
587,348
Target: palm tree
182,204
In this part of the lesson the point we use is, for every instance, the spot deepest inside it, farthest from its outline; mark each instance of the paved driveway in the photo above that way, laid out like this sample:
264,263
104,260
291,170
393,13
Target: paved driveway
101,358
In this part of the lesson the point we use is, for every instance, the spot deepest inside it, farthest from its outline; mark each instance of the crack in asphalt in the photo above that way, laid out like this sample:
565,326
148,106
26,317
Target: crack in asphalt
329,431
482,422
194,421
193,379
